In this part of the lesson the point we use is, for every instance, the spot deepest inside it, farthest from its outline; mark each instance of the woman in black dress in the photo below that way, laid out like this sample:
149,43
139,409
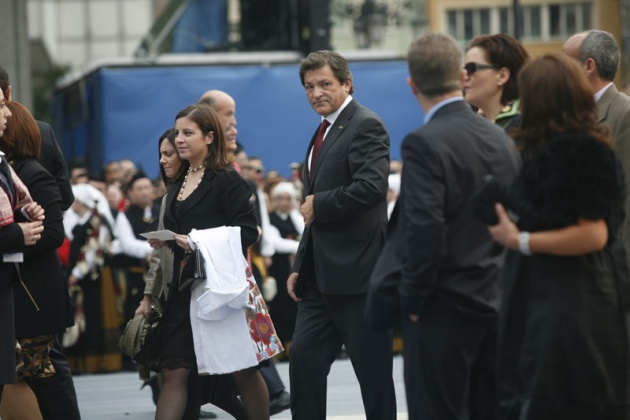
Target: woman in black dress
210,195
563,326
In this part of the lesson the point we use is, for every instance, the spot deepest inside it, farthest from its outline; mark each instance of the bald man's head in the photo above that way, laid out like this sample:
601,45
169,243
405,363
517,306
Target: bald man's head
225,107
573,46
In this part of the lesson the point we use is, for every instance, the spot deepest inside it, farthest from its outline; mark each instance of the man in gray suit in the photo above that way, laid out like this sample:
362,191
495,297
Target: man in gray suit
598,53
345,212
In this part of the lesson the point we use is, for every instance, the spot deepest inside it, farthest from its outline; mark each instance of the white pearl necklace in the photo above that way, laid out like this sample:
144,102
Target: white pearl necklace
181,191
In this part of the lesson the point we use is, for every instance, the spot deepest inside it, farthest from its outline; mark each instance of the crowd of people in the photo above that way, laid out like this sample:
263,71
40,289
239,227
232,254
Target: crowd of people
496,248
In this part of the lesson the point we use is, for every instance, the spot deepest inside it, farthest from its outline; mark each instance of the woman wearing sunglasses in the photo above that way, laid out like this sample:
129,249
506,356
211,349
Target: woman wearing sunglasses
492,65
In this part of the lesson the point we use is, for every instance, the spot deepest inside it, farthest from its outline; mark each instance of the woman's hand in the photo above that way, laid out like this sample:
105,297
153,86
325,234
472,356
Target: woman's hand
505,232
34,212
145,306
156,243
32,231
182,242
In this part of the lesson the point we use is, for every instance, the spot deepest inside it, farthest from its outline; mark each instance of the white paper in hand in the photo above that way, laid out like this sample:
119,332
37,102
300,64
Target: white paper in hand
162,235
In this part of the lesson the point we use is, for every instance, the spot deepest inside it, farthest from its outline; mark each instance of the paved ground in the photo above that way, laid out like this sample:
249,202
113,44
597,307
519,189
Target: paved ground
117,396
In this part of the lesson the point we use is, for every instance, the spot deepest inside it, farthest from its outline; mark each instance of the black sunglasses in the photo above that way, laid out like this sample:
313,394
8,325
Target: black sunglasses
473,67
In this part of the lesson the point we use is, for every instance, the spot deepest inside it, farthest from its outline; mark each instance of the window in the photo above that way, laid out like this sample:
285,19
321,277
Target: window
536,22
567,19
465,24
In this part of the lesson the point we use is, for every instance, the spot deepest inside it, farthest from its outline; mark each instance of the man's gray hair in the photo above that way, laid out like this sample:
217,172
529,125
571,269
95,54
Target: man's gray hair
603,49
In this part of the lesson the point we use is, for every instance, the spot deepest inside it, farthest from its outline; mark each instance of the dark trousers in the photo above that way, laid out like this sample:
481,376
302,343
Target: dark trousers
325,323
272,378
450,364
56,395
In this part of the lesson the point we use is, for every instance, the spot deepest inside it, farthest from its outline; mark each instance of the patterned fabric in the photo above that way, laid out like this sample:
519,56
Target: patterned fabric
33,357
23,198
91,257
260,325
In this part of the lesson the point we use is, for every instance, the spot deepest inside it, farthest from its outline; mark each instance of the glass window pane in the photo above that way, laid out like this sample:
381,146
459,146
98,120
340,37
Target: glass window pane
554,18
468,24
571,22
484,19
535,25
504,20
586,16
452,23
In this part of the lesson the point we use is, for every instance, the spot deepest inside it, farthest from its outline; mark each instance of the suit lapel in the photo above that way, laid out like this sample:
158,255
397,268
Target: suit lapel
191,201
334,133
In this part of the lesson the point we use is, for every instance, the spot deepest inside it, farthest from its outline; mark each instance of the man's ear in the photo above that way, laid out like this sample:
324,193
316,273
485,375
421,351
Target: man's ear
590,68
412,85
8,93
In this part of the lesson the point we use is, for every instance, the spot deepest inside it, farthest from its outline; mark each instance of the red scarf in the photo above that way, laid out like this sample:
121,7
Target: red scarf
22,198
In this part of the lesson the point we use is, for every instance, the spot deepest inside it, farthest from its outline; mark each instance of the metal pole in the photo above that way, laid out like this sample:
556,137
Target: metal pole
517,12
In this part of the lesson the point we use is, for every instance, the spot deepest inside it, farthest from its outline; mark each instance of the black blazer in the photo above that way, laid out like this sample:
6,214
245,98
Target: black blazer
11,240
41,271
349,184
51,158
222,199
443,247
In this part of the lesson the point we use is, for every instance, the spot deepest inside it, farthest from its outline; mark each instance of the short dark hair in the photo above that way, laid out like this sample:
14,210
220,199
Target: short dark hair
21,139
435,64
603,49
503,51
338,65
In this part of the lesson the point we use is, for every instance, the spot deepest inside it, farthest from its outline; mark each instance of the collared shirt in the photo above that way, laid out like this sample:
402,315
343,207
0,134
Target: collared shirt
603,90
439,105
331,119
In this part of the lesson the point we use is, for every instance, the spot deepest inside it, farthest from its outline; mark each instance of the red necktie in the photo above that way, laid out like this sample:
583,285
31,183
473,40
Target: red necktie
319,140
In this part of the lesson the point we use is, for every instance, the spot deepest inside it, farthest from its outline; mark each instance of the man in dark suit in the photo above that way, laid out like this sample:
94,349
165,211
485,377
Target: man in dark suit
56,395
345,181
449,292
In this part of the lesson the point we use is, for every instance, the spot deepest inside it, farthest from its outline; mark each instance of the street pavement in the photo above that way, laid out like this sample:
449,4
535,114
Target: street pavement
117,396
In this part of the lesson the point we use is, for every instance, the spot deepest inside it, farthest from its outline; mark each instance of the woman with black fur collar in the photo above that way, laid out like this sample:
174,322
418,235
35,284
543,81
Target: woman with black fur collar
563,332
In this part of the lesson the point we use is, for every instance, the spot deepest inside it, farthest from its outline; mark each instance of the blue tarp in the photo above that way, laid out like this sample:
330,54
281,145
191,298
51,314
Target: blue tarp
124,110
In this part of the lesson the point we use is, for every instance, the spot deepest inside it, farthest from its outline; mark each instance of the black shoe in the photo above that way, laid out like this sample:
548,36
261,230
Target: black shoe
155,388
207,415
279,402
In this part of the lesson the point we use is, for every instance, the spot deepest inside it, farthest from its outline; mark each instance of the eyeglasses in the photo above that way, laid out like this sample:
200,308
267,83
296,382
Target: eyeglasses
473,67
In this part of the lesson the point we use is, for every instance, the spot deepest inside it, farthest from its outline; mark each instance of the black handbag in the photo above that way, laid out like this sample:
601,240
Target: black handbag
192,269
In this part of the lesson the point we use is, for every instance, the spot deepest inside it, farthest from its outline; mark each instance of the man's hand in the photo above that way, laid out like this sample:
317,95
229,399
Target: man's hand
34,212
307,210
291,282
32,232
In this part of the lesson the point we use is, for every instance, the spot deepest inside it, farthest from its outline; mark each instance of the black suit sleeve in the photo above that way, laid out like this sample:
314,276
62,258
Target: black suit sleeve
235,199
52,160
423,191
11,238
368,158
45,192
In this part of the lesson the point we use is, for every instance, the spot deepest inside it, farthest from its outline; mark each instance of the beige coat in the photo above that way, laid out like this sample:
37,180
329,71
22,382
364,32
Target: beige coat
614,110
161,268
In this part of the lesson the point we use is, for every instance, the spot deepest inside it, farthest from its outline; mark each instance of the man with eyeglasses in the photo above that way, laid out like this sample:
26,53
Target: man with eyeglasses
598,54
